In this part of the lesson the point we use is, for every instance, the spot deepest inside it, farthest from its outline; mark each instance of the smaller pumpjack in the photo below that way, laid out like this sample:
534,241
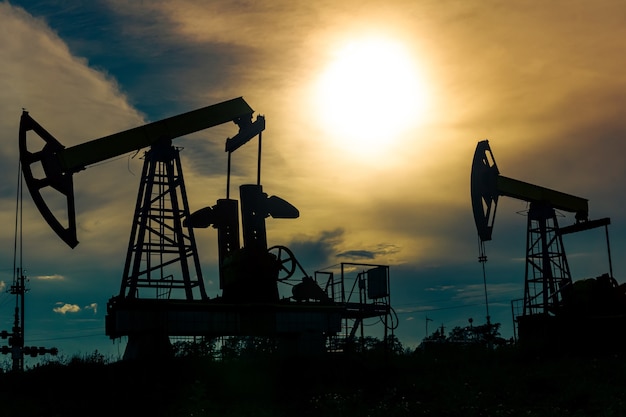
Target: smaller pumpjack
552,309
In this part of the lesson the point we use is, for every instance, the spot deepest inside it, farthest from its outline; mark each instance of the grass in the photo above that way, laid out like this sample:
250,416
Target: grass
459,382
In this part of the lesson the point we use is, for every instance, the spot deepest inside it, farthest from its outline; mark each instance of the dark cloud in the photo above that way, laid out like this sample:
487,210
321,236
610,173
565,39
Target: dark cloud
318,250
357,254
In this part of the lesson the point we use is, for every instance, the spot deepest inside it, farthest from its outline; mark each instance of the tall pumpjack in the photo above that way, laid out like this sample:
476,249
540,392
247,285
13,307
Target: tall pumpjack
158,239
548,276
158,242
162,235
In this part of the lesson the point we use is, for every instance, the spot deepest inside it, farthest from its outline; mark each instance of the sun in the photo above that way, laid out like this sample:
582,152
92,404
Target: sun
370,94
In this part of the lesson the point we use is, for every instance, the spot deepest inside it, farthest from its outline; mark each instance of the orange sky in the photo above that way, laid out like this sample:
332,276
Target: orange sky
545,84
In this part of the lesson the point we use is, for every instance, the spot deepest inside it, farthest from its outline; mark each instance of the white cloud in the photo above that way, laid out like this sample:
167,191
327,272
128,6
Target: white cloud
55,277
66,308
3,285
92,306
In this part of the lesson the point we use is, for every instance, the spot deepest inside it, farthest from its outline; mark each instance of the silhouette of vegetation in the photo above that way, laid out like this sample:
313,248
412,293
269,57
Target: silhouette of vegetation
403,382
485,335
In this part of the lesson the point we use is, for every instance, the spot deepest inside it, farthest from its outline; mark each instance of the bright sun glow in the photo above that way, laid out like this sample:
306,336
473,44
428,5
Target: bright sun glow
370,94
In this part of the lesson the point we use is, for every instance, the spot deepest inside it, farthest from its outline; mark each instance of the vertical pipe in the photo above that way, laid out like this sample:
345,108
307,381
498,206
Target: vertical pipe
483,259
22,292
228,177
514,327
608,248
258,170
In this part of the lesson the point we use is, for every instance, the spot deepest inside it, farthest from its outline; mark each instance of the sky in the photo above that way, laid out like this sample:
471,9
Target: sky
373,112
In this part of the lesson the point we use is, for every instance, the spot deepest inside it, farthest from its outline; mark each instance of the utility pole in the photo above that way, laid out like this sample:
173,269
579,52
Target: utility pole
16,337
427,320
15,345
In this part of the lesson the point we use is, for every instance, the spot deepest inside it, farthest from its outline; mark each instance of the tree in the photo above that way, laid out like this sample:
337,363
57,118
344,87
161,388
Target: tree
486,335
202,347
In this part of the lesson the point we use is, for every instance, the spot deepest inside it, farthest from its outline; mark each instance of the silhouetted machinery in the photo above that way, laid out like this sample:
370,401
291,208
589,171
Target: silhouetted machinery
157,300
555,311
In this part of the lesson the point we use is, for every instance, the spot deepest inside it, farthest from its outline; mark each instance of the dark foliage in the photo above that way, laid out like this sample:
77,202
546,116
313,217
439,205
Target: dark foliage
485,335
460,381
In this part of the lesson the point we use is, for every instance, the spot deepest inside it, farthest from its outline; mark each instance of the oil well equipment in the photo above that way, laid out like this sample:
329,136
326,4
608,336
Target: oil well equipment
162,292
555,311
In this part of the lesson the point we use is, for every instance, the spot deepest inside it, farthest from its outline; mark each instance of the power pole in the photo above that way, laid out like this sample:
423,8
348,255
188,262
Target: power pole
16,337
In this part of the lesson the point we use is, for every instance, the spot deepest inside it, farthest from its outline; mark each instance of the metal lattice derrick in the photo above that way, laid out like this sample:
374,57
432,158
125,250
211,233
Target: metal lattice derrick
160,248
547,270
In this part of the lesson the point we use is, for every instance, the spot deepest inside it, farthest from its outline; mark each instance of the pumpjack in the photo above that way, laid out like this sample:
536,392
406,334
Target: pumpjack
155,302
552,313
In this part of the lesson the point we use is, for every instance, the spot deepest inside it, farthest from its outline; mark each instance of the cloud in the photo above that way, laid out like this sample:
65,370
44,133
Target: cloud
92,306
416,309
381,250
544,85
66,308
317,249
75,103
357,254
475,293
3,285
55,277
441,288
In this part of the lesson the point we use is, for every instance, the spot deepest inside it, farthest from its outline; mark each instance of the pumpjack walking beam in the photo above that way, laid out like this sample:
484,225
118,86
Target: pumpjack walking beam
60,163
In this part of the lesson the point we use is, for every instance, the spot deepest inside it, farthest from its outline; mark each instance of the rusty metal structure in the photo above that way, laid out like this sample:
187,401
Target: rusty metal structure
162,292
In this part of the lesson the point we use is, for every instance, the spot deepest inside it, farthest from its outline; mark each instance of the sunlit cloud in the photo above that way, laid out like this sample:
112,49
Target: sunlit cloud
548,98
381,250
3,285
357,254
93,307
55,277
75,103
66,308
